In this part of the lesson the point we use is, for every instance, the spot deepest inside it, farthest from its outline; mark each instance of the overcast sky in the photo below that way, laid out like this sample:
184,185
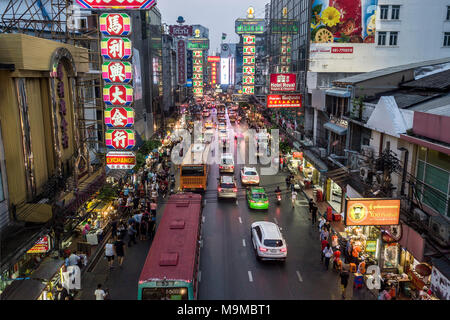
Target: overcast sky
217,15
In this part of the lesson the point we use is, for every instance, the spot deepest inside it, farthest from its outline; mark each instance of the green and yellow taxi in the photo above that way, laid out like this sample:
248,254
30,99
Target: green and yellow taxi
257,198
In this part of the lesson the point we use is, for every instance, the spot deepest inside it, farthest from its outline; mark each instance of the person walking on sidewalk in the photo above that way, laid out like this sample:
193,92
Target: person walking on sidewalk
109,253
328,253
310,204
119,248
314,214
99,293
324,234
344,275
153,207
131,234
294,197
323,244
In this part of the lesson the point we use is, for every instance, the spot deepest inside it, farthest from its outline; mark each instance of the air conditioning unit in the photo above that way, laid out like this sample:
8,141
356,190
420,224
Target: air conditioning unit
363,161
440,229
323,152
419,215
364,173
353,161
367,151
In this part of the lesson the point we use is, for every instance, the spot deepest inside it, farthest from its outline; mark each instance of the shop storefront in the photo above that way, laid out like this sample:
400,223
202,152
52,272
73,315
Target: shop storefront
335,196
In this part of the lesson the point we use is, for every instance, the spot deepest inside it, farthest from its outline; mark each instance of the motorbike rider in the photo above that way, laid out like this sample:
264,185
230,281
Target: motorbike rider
278,191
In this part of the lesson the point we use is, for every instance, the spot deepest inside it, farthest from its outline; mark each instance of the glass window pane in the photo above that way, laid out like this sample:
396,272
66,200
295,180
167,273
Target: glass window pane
422,153
420,170
436,178
434,199
439,159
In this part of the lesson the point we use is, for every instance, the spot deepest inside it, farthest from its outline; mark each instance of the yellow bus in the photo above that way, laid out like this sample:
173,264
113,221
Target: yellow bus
195,168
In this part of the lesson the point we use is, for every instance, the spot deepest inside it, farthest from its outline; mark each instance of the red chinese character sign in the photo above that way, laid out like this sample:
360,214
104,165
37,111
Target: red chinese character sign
118,94
117,71
117,4
283,81
120,160
119,117
115,24
116,48
120,139
284,101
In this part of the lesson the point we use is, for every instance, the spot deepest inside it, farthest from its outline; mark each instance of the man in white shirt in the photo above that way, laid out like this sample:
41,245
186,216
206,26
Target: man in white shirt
73,259
294,197
99,293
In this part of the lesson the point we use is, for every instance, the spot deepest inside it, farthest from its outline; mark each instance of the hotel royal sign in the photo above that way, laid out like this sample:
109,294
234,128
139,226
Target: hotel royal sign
117,74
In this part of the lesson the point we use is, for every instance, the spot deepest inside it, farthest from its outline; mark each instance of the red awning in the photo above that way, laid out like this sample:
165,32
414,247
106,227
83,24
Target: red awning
413,242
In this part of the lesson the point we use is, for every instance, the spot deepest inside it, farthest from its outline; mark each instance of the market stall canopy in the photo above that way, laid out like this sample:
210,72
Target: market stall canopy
34,212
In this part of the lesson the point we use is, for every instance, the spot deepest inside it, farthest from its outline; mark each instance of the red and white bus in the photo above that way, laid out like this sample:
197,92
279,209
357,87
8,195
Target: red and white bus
170,271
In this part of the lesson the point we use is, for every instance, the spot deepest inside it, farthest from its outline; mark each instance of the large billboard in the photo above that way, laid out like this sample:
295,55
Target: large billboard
184,31
225,71
343,21
250,26
117,4
283,81
372,212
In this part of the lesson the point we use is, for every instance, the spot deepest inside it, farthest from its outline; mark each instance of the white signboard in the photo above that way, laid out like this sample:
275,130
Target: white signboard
225,71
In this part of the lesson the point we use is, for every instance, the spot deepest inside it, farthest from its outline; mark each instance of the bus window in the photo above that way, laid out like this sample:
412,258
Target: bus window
192,171
165,294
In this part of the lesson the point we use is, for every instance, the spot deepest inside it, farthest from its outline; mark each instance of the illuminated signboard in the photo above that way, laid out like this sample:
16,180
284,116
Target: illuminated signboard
197,76
41,246
115,24
249,40
197,54
284,101
181,58
286,26
248,80
249,60
116,48
249,50
118,94
283,81
248,70
119,117
372,212
248,90
117,4
185,31
120,139
249,26
120,160
224,71
198,44
117,71
213,59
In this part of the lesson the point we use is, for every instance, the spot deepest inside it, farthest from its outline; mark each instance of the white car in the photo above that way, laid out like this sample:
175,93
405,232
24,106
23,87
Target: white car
249,176
268,242
226,163
227,187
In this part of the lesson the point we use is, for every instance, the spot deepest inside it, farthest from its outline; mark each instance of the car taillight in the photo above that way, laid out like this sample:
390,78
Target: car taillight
232,167
234,189
252,201
219,189
283,249
262,249
267,201
220,167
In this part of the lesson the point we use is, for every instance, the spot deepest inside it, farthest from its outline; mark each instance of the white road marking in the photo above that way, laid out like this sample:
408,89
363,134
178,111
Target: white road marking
299,276
199,276
243,242
276,221
250,277
240,220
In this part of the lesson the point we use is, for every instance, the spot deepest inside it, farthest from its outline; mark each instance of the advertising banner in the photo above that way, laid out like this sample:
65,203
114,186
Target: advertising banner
181,59
120,117
213,59
224,71
343,21
284,101
41,246
120,160
284,26
117,71
117,4
116,48
283,82
183,31
372,212
120,139
198,44
115,24
114,94
250,26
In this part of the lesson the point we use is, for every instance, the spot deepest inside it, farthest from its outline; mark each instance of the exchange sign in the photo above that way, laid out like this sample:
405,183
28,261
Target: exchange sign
284,101
117,4
120,160
115,24
116,48
116,95
119,117
120,139
117,71
372,212
283,81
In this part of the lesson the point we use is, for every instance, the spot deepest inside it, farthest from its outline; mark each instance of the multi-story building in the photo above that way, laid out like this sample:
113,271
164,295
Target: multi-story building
169,72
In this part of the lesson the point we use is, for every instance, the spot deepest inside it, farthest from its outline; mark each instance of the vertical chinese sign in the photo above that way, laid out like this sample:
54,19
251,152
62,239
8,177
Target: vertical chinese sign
213,62
197,76
117,74
249,67
181,50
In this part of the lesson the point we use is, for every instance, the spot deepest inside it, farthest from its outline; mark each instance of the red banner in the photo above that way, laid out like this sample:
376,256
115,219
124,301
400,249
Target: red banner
117,4
341,49
283,82
41,246
284,101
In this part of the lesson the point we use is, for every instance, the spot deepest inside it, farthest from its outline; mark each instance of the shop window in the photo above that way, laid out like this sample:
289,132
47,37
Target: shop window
422,153
439,159
436,178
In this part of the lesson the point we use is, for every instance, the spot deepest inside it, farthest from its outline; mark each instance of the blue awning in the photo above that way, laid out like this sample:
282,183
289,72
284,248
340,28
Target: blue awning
335,128
338,93
315,161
